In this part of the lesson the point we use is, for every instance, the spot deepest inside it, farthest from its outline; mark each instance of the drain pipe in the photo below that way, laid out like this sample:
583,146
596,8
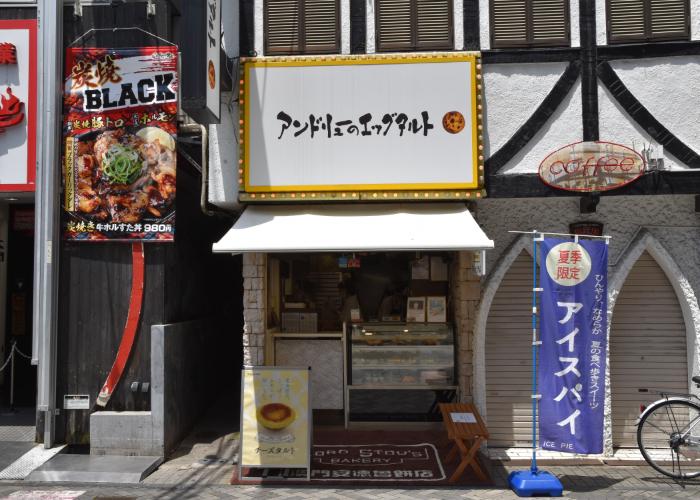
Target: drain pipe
194,128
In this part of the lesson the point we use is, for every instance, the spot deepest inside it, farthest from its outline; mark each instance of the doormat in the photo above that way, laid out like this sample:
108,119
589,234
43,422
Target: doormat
417,464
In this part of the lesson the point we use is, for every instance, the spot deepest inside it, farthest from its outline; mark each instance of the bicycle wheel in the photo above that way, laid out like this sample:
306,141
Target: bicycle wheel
665,442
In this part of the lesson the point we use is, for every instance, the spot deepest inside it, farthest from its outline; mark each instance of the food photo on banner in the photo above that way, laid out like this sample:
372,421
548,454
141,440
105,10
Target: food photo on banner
573,326
120,128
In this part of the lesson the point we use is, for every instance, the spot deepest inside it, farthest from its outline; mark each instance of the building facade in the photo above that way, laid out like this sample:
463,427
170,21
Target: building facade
554,75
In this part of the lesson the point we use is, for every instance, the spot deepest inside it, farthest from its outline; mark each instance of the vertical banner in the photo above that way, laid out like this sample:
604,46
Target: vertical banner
120,127
573,325
275,418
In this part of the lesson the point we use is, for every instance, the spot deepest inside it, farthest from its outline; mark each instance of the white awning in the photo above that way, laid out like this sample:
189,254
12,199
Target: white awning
354,228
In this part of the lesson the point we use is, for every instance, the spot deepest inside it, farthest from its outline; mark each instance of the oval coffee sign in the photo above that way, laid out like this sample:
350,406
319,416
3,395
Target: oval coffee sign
591,166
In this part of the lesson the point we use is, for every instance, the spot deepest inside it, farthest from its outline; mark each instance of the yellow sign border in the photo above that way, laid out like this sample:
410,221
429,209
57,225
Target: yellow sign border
381,191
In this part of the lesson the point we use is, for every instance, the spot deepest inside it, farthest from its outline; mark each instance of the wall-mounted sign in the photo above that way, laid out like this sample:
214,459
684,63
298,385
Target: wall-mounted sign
362,127
120,126
17,105
275,418
586,228
591,166
76,402
214,57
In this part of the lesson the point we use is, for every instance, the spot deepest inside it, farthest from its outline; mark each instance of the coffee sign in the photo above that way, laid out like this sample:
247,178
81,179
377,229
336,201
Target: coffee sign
591,166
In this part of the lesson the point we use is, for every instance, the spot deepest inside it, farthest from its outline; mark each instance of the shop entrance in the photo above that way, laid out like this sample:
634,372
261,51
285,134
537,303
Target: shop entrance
18,385
374,327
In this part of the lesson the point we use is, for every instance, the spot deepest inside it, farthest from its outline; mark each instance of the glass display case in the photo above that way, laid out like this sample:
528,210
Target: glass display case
399,371
401,354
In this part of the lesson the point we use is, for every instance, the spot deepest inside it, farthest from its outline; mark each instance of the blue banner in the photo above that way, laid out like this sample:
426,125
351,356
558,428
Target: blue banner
573,331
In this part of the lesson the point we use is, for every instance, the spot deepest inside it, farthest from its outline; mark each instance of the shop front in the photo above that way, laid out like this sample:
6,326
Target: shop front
361,254
367,296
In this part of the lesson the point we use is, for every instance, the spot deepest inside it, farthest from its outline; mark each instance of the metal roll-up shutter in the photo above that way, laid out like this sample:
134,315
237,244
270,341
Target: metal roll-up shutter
508,358
648,347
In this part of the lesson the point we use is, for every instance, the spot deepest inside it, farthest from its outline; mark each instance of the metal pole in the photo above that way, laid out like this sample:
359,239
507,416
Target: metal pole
533,466
50,19
12,378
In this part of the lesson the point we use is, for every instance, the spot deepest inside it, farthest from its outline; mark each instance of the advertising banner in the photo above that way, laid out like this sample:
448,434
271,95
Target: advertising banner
120,127
340,124
275,418
17,105
573,325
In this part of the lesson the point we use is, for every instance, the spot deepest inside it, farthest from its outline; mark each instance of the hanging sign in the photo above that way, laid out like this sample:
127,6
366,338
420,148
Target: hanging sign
591,166
213,57
120,127
275,418
17,105
573,323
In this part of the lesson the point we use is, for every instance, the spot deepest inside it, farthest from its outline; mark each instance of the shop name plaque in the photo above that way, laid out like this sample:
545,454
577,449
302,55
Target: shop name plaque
591,166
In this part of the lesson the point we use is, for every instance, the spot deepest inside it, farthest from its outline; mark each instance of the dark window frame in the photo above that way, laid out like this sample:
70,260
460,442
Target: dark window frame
648,36
301,36
529,43
415,46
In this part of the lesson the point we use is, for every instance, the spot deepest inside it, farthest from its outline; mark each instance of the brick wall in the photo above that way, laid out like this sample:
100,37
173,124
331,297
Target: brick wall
254,309
465,289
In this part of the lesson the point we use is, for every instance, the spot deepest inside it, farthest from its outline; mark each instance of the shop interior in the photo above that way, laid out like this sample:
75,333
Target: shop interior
375,328
18,382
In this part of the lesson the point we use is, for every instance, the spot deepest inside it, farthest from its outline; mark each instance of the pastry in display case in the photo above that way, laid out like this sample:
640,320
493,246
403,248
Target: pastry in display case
410,354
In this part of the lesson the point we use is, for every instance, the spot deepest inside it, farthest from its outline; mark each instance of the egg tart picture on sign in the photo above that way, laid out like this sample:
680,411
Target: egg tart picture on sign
275,416
453,122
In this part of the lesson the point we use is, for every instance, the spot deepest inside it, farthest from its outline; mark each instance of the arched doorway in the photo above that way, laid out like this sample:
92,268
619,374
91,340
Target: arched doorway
508,358
648,346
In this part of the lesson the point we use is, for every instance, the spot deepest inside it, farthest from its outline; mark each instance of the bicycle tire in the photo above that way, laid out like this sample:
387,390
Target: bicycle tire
670,411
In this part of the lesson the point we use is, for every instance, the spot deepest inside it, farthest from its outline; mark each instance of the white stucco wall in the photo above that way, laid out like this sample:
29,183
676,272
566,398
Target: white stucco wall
507,105
574,23
694,20
230,28
564,127
258,26
223,157
665,86
370,33
458,24
344,26
668,88
601,31
484,33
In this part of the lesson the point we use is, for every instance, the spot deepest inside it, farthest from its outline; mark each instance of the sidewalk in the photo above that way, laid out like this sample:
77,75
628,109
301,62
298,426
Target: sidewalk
584,482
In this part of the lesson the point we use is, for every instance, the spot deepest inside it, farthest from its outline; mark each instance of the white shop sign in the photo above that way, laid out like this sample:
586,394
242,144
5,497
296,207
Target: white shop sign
361,123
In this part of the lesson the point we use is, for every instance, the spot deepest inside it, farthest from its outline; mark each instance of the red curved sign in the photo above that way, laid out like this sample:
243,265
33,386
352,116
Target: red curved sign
591,166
